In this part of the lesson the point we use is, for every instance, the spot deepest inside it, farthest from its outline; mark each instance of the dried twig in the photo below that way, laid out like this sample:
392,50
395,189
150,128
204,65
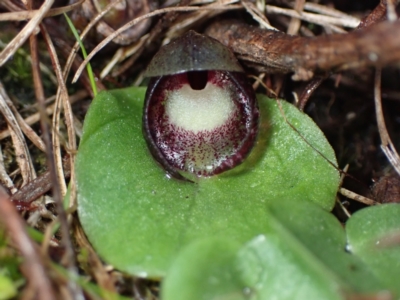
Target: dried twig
276,52
38,187
309,90
377,15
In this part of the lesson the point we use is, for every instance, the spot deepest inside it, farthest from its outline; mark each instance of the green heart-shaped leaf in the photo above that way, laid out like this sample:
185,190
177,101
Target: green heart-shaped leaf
297,258
374,236
138,219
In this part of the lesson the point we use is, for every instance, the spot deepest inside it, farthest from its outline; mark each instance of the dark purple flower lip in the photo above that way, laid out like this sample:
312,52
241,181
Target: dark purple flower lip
202,122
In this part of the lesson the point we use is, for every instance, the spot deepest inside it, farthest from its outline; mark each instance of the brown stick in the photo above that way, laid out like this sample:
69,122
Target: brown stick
36,188
377,15
276,52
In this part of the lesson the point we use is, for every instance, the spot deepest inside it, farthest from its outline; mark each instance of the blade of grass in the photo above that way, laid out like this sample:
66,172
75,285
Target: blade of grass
88,66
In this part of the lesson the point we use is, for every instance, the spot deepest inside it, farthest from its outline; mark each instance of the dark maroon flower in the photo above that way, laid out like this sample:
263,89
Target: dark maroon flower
200,114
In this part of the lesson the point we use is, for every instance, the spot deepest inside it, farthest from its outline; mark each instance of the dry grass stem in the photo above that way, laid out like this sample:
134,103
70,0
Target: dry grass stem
55,182
34,118
313,18
121,54
25,33
10,5
91,24
175,25
179,26
23,15
258,80
69,256
21,149
26,129
48,235
295,23
134,22
343,208
186,21
4,177
342,177
328,11
353,196
257,15
56,146
98,270
386,142
391,10
62,100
